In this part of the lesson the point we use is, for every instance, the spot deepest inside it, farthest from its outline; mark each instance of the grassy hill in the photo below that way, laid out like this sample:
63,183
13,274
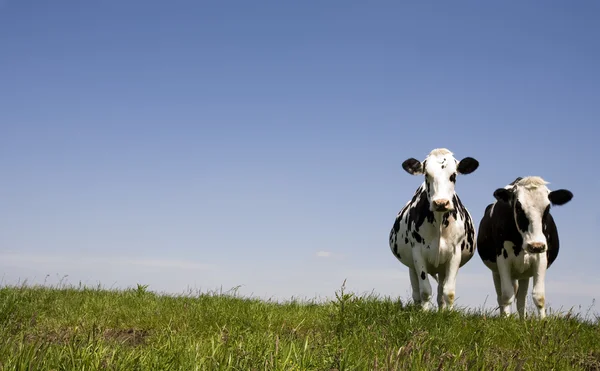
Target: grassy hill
95,329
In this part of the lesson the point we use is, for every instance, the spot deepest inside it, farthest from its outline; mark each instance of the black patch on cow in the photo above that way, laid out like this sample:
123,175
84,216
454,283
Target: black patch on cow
402,212
462,245
495,230
446,220
397,225
551,233
518,248
470,233
405,240
453,178
423,275
459,209
420,212
504,253
429,246
417,237
417,194
485,236
522,220
545,215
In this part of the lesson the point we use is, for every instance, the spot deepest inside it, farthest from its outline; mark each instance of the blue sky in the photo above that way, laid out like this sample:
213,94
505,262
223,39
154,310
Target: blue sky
194,145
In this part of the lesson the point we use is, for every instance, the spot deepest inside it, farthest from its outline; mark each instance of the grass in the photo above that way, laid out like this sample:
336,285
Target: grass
70,328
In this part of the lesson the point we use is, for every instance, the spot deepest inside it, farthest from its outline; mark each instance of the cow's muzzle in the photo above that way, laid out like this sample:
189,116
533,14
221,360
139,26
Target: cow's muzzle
441,205
536,247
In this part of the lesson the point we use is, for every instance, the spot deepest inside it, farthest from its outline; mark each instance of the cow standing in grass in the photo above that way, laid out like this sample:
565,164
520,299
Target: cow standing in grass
518,240
433,233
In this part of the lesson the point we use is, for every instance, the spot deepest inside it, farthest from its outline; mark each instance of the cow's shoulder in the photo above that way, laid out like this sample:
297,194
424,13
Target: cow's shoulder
501,227
419,211
486,244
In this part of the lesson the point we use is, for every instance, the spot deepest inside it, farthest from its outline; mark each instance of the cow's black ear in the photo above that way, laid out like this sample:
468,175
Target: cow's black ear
560,197
467,165
502,194
413,166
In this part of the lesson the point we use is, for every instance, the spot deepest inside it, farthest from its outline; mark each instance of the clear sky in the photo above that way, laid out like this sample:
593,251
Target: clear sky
192,145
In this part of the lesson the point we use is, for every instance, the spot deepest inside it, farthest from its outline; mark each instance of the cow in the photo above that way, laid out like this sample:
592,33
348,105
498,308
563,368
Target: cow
518,239
433,233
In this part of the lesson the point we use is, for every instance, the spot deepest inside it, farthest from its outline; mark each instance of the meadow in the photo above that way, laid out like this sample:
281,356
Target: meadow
82,328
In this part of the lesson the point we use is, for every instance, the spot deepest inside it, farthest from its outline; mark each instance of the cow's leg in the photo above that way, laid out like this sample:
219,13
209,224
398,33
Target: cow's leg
498,287
414,282
440,290
521,295
539,290
423,279
449,282
507,285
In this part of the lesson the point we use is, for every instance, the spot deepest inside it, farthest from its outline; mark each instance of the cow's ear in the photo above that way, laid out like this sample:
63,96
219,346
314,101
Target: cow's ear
467,165
413,166
503,194
560,197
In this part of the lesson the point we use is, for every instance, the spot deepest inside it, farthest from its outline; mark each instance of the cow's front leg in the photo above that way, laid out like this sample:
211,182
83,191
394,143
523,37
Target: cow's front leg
424,285
414,282
539,290
498,287
440,290
449,281
507,284
521,296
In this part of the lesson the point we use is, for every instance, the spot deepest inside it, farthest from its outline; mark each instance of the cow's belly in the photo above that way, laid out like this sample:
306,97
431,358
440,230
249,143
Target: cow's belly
521,266
433,263
428,246
465,256
406,254
406,257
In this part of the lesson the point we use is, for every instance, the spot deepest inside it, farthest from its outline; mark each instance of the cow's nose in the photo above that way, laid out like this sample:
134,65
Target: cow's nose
441,204
536,247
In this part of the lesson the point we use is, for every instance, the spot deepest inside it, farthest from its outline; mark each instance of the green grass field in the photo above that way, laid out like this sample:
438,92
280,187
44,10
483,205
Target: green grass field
67,328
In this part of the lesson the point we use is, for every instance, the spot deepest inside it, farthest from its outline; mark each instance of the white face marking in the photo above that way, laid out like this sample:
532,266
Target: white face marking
439,169
530,205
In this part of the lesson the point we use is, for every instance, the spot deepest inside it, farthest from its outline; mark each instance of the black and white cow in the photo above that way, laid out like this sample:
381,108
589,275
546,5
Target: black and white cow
518,239
433,233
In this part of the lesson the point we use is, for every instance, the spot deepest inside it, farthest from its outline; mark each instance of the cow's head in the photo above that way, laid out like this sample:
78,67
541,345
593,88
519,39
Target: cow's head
440,169
530,201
